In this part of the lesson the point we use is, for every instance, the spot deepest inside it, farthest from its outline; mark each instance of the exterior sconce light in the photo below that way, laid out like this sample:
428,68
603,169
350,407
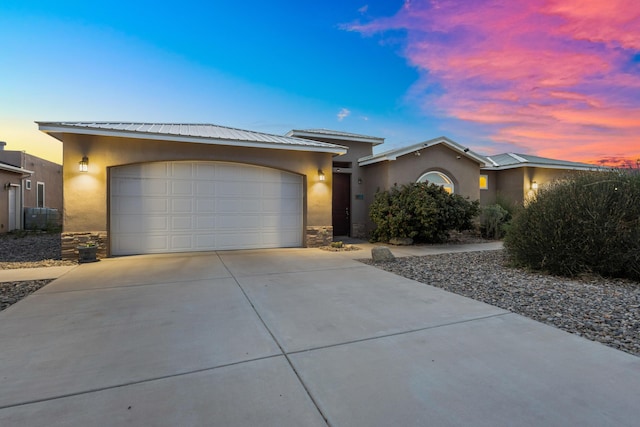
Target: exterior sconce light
534,185
321,176
83,165
359,180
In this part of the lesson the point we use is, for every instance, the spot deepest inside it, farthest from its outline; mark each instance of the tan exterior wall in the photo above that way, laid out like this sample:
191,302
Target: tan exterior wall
488,196
359,206
510,185
86,193
406,169
43,171
463,171
515,185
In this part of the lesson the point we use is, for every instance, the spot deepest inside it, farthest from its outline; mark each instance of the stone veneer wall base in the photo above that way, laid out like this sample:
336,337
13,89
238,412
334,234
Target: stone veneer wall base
319,236
70,242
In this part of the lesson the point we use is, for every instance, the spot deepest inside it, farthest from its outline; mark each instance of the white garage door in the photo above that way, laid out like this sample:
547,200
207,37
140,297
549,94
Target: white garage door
200,206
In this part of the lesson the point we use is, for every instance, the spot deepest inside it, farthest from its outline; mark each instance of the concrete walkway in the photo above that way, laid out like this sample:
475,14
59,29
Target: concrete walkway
292,337
39,273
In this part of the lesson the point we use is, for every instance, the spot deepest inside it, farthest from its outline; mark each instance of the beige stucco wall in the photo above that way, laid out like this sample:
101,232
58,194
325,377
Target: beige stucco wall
463,171
86,196
43,171
515,185
359,206
488,196
406,169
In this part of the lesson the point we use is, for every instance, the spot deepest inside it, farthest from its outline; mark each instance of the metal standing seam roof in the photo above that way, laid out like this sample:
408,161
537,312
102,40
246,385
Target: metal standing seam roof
188,132
514,160
328,133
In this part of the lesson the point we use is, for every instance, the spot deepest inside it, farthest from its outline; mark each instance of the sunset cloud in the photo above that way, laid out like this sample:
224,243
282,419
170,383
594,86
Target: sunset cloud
557,78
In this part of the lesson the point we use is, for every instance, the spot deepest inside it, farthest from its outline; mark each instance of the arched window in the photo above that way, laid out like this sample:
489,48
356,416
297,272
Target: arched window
438,178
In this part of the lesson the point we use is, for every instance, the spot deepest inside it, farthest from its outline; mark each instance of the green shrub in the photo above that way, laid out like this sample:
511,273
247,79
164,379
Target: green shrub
587,224
492,221
421,211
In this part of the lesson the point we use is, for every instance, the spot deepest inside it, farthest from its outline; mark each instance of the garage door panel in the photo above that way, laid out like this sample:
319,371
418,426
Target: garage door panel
128,244
140,223
135,205
182,223
182,188
181,242
205,206
181,205
184,206
205,188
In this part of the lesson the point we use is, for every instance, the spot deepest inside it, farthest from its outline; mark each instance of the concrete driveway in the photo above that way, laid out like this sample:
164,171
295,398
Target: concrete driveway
292,337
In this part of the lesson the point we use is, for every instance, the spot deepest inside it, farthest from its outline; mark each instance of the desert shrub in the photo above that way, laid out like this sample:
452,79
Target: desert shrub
421,211
492,221
588,223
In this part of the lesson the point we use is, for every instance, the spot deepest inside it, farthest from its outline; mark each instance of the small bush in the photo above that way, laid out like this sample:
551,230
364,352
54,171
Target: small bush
421,211
587,224
492,221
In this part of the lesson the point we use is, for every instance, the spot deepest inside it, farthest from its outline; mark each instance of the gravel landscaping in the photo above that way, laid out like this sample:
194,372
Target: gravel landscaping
27,251
603,310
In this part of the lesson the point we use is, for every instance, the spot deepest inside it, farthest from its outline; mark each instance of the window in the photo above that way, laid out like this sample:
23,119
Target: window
484,182
40,195
438,178
27,184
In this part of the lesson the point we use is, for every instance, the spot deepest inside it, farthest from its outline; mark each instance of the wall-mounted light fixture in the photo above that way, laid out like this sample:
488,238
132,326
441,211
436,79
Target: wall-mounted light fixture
534,185
83,165
321,176
359,180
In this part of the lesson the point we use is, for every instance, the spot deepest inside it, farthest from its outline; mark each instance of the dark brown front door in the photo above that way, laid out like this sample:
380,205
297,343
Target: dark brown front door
341,199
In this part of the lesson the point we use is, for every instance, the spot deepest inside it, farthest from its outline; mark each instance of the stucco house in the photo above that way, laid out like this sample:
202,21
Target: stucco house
150,188
29,182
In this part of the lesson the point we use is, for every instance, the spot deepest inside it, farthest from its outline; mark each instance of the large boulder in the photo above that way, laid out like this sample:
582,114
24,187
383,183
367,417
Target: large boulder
381,253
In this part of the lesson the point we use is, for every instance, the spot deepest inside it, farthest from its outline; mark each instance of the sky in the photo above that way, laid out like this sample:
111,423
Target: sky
554,78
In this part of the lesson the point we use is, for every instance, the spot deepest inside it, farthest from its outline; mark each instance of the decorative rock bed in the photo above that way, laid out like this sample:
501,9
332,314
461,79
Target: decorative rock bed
599,309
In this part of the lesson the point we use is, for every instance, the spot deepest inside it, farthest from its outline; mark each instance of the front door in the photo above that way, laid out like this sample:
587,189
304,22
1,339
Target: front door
341,204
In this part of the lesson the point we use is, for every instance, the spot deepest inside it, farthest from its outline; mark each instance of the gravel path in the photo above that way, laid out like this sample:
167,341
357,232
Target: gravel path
604,310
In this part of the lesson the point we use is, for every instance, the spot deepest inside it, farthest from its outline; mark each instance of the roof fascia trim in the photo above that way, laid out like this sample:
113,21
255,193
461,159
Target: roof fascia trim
544,166
394,154
294,133
51,129
15,169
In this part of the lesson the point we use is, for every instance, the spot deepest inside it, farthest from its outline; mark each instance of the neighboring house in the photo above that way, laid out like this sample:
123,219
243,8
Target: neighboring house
29,182
151,188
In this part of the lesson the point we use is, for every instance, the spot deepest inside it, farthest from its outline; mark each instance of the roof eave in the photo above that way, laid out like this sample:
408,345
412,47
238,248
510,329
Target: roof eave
55,130
296,133
394,154
15,169
544,166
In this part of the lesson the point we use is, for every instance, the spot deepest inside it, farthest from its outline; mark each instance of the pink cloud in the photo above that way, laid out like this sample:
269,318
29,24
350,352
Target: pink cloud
556,76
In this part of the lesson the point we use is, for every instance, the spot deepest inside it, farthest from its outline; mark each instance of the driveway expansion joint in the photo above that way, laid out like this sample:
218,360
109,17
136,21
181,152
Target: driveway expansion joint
284,353
426,328
147,380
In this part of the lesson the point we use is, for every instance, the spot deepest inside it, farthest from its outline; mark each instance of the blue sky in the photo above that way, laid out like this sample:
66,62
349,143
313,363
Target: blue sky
271,66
